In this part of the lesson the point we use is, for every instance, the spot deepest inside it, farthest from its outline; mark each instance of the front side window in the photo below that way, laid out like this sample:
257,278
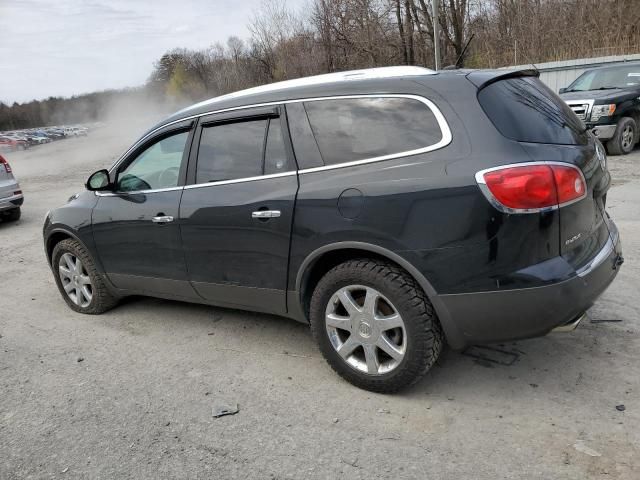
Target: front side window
158,166
353,129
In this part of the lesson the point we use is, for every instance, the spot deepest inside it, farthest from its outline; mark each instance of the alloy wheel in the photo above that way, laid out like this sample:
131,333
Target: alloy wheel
75,280
627,137
365,329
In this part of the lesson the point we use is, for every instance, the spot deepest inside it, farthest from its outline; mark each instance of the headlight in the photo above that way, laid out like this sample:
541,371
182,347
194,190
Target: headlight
598,111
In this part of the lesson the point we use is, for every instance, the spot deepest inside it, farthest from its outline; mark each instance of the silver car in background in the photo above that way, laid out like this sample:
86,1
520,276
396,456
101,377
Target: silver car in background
10,193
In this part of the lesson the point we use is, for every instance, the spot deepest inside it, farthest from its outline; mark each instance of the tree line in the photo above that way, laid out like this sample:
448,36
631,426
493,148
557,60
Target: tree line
335,35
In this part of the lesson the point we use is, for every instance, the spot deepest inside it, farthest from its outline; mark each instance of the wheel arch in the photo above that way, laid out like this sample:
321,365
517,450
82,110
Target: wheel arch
56,236
321,260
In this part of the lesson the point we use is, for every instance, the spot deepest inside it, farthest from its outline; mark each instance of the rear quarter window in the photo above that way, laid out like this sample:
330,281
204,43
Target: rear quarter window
353,129
526,110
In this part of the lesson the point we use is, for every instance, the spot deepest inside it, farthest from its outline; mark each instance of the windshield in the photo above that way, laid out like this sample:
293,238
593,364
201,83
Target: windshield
620,77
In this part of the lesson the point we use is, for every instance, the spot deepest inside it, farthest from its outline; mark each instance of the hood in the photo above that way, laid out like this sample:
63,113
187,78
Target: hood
602,96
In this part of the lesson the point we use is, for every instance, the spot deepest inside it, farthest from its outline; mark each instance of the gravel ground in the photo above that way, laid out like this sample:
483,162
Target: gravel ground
129,394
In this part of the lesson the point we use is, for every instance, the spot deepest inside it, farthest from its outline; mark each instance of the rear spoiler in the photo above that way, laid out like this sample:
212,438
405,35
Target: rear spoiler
483,78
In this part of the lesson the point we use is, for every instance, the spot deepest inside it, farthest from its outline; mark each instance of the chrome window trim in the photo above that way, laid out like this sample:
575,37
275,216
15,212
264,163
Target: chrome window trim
502,208
442,123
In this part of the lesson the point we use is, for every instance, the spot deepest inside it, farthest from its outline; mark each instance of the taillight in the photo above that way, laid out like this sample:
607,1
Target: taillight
532,187
5,164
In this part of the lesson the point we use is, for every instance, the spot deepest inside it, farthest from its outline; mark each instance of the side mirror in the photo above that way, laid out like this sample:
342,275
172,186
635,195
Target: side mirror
562,90
99,181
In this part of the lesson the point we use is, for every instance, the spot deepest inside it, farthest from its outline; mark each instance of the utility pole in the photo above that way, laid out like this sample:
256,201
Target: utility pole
436,34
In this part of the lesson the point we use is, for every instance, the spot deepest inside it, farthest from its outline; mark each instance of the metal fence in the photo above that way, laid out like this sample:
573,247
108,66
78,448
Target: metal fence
560,74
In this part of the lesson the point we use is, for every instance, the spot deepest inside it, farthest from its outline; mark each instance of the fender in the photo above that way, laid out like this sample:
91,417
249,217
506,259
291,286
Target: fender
75,236
452,332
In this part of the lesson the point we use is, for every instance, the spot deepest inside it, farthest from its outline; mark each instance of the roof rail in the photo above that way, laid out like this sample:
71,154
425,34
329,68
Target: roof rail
364,74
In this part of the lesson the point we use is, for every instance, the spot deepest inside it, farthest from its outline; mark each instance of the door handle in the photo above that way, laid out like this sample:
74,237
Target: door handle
265,214
162,219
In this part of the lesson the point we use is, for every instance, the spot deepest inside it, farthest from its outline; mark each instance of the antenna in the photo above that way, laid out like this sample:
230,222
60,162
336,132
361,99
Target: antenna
464,50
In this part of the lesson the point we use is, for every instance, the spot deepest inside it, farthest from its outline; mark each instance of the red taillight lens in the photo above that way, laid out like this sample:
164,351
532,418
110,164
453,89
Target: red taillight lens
533,187
5,164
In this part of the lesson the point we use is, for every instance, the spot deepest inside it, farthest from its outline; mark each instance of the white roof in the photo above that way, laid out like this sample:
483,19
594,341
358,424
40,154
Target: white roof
364,74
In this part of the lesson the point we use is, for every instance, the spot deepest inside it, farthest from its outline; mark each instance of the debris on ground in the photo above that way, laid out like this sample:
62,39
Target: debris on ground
80,359
621,408
486,356
221,410
582,448
384,410
336,420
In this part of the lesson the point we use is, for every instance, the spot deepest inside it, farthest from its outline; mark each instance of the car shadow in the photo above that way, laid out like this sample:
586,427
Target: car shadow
517,369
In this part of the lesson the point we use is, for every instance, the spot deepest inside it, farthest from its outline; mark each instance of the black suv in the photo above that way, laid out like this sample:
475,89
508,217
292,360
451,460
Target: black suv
607,99
392,209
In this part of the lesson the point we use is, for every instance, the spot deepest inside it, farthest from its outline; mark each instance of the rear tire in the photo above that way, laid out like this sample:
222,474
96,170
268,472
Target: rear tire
624,139
12,215
80,284
415,337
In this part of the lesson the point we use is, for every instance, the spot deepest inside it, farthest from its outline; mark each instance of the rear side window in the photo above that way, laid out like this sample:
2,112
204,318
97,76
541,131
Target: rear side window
526,110
354,129
231,151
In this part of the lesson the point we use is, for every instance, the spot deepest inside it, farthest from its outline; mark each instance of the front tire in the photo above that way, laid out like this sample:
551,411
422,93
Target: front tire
374,325
78,280
624,139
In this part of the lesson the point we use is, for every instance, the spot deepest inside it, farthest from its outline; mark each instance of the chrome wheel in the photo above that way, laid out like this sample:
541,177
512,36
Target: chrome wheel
75,280
627,137
365,329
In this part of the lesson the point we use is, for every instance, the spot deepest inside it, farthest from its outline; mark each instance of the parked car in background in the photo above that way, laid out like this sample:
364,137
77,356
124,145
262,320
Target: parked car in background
607,99
11,197
13,144
393,209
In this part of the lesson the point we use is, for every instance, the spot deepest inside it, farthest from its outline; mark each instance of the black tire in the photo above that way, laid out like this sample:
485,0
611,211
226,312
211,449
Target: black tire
619,143
424,335
102,299
12,215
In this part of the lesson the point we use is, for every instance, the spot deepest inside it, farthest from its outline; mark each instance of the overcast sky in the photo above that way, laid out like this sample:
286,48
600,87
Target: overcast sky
67,47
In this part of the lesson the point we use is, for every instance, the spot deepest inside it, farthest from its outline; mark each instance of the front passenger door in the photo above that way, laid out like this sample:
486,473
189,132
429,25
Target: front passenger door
236,214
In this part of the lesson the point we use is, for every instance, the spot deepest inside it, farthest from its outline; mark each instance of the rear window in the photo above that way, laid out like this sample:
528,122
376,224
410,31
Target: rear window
354,129
526,110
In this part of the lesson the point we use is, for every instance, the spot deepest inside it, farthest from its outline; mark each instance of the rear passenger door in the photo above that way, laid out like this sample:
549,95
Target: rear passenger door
237,210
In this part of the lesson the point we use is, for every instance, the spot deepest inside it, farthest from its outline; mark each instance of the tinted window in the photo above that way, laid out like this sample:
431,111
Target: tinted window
357,129
304,145
275,155
526,110
158,166
230,151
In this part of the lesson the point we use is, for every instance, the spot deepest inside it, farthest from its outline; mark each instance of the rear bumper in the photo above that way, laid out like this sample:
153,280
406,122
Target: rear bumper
488,317
9,203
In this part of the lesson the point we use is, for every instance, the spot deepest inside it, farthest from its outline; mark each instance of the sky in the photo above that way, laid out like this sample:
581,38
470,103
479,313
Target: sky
70,47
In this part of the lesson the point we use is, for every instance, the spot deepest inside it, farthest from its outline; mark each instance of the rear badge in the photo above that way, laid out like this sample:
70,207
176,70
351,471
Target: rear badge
573,239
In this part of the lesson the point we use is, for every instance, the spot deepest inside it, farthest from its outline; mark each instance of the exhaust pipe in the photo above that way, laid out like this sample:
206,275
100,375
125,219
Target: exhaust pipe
571,325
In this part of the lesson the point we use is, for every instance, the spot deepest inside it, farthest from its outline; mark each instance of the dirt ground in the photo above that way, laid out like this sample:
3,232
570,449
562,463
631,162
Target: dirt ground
129,394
